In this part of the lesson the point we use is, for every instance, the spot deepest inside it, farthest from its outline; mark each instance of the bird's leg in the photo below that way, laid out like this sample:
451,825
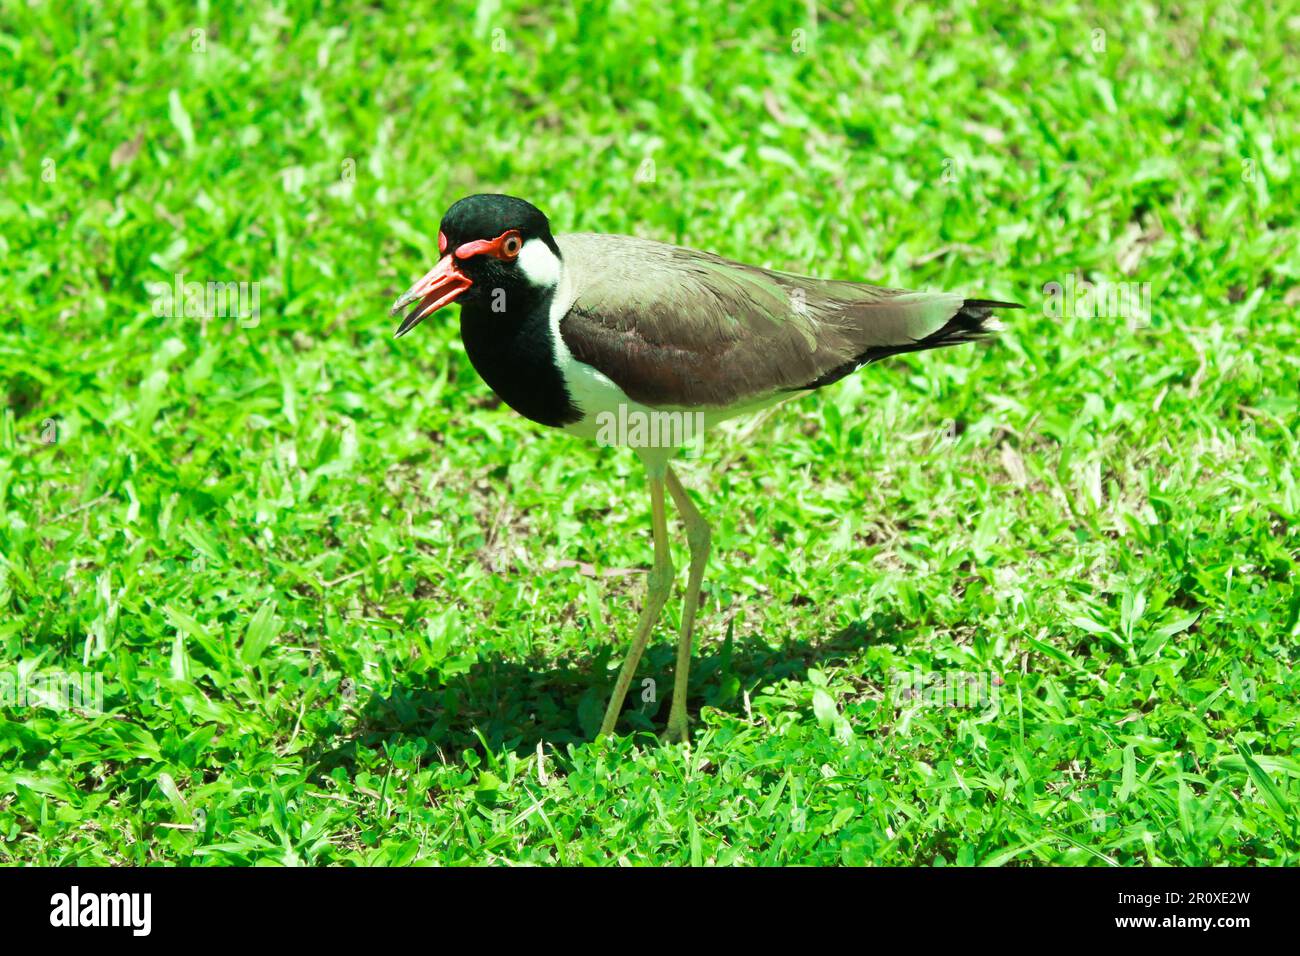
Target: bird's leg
698,537
659,586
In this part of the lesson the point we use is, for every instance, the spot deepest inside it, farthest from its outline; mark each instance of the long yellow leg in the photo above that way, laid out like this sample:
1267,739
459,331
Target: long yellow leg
698,537
659,586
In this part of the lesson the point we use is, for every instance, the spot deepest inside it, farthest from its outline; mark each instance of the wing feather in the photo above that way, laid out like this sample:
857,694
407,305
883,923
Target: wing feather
677,327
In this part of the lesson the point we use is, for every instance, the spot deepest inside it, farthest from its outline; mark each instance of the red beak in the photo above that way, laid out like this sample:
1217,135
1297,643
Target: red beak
441,285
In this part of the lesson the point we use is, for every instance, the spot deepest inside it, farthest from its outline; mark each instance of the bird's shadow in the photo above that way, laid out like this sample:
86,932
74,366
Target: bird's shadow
509,704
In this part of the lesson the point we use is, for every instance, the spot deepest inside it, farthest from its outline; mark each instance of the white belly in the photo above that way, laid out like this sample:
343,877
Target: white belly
655,433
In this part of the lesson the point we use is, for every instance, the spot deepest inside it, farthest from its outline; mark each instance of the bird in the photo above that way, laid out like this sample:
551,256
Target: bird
583,331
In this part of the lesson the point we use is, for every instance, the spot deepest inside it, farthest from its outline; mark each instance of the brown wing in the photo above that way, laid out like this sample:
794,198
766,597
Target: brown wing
673,326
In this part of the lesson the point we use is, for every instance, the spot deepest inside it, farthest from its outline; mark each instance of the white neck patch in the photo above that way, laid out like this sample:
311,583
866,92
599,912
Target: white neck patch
540,266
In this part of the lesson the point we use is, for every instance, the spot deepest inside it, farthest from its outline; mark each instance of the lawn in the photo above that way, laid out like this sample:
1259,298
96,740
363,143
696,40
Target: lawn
1024,603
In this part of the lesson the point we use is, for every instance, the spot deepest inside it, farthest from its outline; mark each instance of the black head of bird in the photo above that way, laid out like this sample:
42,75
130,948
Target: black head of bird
480,243
576,329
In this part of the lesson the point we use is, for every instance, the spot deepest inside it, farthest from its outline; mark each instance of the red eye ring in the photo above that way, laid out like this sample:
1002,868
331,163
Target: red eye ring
505,246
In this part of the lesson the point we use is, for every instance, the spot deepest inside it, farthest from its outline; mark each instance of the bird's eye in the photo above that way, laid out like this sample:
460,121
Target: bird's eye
512,244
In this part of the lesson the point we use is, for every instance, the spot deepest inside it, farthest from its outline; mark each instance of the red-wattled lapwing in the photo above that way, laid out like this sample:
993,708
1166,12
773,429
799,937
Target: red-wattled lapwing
575,331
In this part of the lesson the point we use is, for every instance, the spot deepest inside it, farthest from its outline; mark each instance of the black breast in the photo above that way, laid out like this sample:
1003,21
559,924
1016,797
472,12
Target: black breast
515,355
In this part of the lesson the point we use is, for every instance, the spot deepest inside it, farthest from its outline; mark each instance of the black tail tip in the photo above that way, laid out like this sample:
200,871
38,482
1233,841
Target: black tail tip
975,319
989,304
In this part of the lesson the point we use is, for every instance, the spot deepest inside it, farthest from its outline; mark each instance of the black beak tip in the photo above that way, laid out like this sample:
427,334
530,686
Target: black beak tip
408,323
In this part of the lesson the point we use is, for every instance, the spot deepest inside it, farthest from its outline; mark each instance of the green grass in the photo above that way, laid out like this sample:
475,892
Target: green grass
337,595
